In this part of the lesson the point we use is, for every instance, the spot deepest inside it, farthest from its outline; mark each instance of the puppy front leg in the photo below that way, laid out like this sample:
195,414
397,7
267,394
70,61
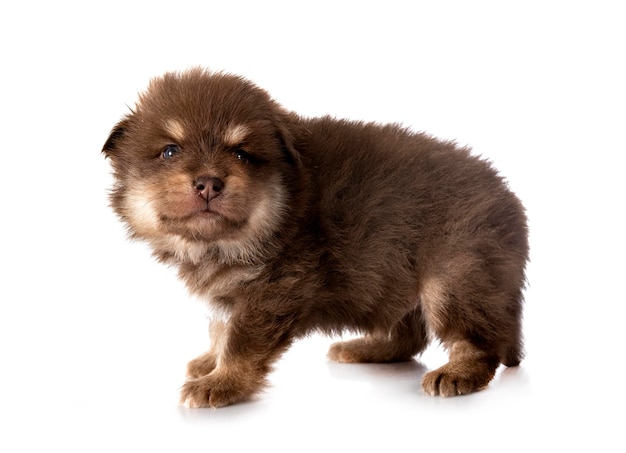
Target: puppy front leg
205,363
243,354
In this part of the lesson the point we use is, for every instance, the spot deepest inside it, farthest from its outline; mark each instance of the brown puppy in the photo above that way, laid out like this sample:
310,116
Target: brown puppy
290,225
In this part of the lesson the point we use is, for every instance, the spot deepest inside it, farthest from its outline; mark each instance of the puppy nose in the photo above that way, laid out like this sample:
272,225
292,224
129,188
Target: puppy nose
208,187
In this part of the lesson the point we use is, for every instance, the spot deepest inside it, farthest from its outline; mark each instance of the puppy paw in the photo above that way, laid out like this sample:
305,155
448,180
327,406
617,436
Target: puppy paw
345,352
360,350
453,379
218,389
369,350
205,392
201,366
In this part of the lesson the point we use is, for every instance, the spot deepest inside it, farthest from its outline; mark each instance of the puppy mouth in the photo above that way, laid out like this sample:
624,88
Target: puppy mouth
210,207
206,212
194,214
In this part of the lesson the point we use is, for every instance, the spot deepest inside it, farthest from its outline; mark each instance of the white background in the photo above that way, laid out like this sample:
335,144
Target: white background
94,336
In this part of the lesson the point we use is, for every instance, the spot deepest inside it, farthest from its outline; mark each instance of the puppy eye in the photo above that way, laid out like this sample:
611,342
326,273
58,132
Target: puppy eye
242,155
170,151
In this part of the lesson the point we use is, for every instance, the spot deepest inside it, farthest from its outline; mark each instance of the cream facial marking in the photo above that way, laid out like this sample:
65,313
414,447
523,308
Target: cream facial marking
141,212
235,134
175,129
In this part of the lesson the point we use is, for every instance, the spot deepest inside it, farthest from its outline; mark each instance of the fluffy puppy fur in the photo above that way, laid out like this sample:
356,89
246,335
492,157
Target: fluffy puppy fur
289,225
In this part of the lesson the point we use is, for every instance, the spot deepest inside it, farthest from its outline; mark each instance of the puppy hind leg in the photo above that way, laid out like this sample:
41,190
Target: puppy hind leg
512,352
469,369
406,339
479,324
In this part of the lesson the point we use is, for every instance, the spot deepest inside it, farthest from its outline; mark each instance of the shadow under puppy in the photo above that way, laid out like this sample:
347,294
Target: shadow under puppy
290,225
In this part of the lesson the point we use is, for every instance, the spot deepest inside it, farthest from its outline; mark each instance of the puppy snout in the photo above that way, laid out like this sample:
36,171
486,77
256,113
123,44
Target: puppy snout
208,187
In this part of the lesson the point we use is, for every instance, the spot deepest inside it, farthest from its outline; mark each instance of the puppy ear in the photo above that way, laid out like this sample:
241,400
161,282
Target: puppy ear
290,133
117,134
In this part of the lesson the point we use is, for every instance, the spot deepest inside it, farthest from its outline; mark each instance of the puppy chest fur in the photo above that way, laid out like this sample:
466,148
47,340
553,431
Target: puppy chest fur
292,225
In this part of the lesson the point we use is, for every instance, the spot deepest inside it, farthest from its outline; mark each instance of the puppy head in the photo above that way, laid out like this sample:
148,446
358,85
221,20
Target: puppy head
205,162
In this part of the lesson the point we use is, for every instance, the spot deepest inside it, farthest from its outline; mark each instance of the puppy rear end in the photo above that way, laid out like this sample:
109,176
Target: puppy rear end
434,243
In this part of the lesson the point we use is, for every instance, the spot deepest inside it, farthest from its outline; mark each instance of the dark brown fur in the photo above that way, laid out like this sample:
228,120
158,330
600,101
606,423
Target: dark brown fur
319,225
